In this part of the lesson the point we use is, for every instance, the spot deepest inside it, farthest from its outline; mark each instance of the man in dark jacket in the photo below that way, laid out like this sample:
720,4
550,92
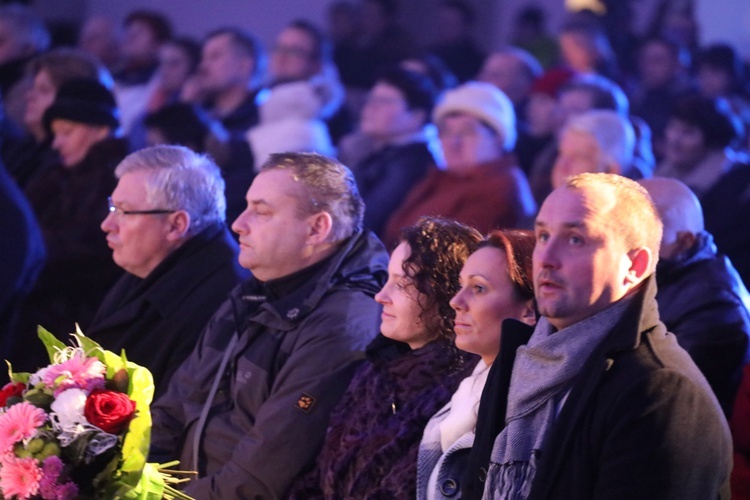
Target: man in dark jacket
166,229
602,402
248,409
702,299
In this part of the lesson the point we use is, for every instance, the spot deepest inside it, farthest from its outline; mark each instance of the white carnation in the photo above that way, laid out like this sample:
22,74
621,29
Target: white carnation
68,407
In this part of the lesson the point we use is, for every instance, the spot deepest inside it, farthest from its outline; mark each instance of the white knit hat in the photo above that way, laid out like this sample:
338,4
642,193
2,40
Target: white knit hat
484,101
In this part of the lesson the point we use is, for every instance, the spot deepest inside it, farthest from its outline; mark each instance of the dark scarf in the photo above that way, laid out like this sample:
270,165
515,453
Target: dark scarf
373,437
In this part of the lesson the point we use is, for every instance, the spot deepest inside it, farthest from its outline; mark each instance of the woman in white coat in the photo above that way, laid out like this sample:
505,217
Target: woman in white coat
496,284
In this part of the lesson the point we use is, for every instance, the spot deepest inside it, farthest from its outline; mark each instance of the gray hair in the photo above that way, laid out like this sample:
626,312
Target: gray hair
613,133
26,26
634,216
331,188
180,179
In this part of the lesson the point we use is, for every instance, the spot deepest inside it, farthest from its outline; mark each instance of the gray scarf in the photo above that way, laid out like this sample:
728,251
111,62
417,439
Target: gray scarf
541,380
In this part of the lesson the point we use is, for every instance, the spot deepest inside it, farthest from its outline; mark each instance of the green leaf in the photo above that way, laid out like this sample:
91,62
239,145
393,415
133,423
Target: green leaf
51,343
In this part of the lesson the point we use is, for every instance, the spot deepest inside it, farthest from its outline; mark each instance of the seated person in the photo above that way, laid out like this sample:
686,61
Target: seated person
372,441
699,138
70,201
21,252
594,141
248,408
495,285
166,230
481,185
396,112
702,299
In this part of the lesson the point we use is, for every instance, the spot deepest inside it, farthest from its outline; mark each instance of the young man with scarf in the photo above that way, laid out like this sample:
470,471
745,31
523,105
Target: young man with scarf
602,402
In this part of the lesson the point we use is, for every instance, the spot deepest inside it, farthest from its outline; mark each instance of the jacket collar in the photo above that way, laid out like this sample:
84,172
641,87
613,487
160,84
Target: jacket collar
167,295
641,315
360,264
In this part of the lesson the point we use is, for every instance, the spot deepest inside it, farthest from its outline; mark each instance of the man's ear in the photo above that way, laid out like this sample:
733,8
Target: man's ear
321,225
613,167
178,225
641,262
685,241
528,315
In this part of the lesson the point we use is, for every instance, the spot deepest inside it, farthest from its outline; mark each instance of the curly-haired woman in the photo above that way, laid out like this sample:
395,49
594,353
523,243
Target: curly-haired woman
371,446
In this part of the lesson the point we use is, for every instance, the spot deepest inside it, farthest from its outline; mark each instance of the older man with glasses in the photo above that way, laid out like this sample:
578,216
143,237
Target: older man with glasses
166,229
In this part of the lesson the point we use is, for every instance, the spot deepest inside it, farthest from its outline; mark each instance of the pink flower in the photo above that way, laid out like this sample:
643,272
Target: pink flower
19,422
20,477
78,372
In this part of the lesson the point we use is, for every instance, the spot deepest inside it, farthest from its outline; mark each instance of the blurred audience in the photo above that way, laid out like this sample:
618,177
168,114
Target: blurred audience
702,299
396,112
700,137
101,37
289,122
541,121
232,67
662,79
69,201
513,71
22,37
144,33
720,73
530,33
33,154
302,52
481,184
600,140
455,45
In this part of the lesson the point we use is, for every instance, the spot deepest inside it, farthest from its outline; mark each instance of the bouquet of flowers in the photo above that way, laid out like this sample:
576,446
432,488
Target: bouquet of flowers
79,428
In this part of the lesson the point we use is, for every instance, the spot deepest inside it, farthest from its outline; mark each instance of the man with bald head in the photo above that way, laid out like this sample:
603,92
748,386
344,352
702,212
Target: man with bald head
702,299
602,402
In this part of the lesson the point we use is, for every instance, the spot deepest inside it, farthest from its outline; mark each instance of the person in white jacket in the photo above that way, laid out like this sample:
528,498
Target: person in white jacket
495,285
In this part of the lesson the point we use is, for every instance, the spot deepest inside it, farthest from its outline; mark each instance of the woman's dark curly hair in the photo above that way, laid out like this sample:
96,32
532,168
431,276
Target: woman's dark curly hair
518,246
438,249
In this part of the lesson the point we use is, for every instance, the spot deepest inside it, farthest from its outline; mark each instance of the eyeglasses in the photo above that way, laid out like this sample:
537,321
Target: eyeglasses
117,211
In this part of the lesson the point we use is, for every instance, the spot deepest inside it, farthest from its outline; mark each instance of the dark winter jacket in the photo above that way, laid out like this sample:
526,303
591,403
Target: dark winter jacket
292,359
633,421
386,176
724,209
491,413
371,446
21,257
157,320
70,204
703,301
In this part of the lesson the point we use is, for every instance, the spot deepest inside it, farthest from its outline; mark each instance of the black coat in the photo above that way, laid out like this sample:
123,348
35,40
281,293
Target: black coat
640,421
21,256
70,204
157,320
703,301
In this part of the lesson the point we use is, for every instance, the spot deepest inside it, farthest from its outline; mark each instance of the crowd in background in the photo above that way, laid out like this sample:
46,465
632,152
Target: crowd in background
446,130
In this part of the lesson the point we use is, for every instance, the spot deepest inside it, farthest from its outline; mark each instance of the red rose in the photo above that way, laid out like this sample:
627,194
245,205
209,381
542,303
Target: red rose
9,390
110,411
